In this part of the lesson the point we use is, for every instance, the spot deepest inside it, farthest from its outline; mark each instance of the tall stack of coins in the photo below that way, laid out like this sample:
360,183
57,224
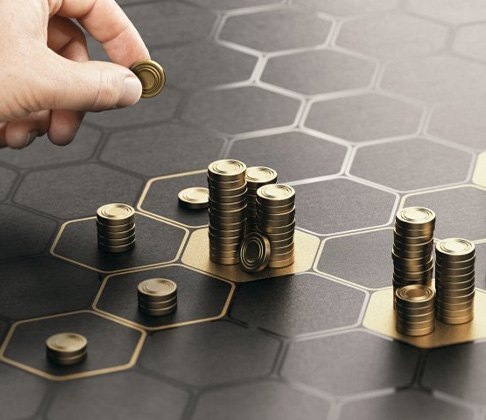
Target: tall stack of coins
157,297
227,210
116,227
412,247
415,313
256,177
66,348
276,220
454,280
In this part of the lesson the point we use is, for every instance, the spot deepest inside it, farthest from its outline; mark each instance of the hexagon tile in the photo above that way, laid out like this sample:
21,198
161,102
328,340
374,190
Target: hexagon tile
479,176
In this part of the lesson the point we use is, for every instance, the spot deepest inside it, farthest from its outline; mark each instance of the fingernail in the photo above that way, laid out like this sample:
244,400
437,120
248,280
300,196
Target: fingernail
31,137
132,92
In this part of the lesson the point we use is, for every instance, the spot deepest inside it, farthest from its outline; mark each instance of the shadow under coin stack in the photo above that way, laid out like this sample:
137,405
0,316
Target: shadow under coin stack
276,221
157,297
415,310
413,244
227,210
454,280
256,177
116,228
66,349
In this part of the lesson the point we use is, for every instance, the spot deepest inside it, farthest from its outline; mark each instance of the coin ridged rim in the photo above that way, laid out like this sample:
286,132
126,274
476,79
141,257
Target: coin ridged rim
264,250
122,215
260,175
275,194
405,215
444,247
234,171
168,291
194,198
158,76
415,294
76,346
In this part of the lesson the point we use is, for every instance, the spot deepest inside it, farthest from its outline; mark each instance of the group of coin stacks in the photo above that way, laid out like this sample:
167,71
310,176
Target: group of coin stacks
157,297
116,228
66,348
454,280
413,244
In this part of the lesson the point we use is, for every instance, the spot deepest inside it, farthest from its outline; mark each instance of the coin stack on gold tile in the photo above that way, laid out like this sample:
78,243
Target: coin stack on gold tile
412,247
227,210
116,228
454,280
415,310
276,221
157,297
66,348
256,177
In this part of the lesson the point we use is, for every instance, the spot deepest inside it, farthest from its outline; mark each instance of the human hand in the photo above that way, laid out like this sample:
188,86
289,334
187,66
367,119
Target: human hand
47,81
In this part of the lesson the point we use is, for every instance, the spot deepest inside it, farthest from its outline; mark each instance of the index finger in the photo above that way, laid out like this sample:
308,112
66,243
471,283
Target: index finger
108,24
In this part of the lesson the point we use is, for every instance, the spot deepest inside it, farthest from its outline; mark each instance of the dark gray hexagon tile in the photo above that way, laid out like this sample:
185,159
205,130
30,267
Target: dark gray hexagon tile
404,405
346,7
350,363
8,178
458,211
298,304
458,371
147,111
110,344
468,41
263,31
162,149
340,205
392,35
364,117
316,72
481,265
161,199
21,394
461,123
455,11
240,110
156,242
42,152
23,233
142,398
411,164
233,4
436,79
362,258
211,353
3,329
170,22
204,64
44,286
317,157
76,191
198,296
263,401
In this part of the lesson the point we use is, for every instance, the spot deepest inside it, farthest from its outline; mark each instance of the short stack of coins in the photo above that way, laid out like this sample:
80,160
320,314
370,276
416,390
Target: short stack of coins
454,280
256,177
415,310
157,297
227,210
276,220
413,246
116,227
66,349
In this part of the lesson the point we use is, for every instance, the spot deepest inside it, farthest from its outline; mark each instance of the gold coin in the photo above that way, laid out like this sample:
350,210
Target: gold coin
255,252
152,76
66,348
455,248
276,194
227,170
415,295
260,175
415,215
194,198
157,288
115,213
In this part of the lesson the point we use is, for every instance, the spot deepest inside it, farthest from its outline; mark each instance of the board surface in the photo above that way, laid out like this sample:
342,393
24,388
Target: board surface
363,106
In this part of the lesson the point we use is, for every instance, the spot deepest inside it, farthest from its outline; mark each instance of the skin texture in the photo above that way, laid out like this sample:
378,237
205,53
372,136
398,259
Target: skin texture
47,81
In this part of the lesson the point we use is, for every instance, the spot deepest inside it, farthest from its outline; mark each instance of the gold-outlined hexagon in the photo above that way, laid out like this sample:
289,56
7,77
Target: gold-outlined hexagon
161,178
52,250
479,176
110,315
58,378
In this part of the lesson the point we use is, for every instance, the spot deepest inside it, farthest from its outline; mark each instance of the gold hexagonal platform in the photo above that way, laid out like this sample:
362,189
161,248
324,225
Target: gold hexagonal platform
479,176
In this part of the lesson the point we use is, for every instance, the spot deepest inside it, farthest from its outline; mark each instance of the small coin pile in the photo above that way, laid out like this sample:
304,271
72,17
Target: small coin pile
454,280
157,297
276,221
227,210
116,227
194,198
151,75
413,246
256,177
66,348
415,310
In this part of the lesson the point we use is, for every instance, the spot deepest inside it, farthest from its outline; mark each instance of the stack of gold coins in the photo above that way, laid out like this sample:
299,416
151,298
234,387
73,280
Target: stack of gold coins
256,177
157,297
227,210
454,280
415,313
276,221
412,247
116,227
66,348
